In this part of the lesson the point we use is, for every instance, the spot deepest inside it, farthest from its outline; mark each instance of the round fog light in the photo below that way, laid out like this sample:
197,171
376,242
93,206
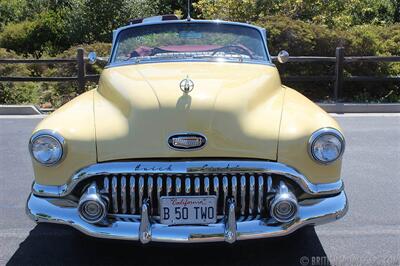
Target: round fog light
92,211
284,210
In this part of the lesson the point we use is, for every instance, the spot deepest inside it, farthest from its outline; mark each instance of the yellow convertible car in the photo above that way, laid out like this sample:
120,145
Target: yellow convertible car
189,137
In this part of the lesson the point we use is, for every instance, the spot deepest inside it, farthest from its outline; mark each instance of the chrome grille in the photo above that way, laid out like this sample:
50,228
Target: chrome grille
126,192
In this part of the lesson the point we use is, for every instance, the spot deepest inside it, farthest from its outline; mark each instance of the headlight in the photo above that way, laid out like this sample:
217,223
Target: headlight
47,147
326,145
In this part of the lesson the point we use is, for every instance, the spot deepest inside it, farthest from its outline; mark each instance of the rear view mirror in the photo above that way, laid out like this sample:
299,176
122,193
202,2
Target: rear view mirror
92,57
283,57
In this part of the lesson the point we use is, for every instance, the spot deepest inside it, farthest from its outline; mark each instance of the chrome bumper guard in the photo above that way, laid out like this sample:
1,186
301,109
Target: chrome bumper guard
311,212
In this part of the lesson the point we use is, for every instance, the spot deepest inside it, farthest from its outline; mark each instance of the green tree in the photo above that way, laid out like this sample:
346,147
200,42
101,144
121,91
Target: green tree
338,13
12,11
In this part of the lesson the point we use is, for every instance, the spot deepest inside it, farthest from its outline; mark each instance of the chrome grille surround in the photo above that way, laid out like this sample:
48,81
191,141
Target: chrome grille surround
188,167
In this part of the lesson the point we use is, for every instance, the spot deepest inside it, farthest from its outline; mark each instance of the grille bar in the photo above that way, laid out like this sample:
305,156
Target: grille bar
114,194
169,186
159,190
243,195
250,193
123,195
132,194
141,191
225,191
234,188
206,185
260,194
252,187
150,190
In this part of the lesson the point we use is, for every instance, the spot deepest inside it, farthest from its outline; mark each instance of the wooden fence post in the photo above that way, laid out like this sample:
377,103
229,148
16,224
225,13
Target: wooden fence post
337,93
81,69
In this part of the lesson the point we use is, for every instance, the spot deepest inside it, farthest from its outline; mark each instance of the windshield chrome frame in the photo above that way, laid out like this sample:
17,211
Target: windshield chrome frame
260,30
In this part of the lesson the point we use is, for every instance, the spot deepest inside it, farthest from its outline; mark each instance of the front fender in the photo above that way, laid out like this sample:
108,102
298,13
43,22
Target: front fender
301,118
75,122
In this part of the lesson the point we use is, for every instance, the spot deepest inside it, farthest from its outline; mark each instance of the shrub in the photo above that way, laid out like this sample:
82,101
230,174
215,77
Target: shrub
301,38
17,93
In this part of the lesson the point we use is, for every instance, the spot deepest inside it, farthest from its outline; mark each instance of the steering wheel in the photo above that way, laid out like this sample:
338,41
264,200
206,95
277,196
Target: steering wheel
233,49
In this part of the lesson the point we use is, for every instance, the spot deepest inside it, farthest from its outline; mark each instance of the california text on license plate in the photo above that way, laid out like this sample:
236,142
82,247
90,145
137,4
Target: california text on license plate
188,210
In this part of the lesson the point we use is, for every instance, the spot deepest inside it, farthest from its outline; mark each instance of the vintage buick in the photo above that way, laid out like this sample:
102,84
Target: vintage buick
189,137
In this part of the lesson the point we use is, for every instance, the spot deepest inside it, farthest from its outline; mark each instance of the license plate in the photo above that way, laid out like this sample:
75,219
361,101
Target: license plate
176,210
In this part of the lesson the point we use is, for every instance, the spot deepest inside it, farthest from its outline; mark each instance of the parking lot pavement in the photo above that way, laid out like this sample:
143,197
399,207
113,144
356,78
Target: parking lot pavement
368,235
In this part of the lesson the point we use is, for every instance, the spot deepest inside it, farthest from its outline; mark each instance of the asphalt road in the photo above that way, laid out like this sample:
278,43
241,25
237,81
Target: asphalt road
368,235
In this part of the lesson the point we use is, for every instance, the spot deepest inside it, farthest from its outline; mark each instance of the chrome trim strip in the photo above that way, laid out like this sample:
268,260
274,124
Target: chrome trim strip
189,167
311,212
188,61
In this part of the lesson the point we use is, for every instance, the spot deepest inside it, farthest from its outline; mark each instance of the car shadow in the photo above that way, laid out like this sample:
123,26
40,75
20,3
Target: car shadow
49,244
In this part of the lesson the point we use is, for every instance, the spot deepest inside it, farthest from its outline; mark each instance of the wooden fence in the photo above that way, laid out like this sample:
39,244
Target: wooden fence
338,78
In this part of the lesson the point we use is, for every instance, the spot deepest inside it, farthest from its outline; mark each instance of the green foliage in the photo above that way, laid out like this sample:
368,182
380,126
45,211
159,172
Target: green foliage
48,32
55,28
301,38
243,11
17,93
56,94
338,13
12,11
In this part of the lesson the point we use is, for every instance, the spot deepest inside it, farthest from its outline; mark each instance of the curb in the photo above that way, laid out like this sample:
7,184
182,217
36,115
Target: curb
19,110
341,108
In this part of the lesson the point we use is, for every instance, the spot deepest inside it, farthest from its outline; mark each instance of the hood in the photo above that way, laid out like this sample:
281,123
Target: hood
237,107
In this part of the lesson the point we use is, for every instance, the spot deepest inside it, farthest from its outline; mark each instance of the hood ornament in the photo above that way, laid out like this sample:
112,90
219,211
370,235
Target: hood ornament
186,85
187,141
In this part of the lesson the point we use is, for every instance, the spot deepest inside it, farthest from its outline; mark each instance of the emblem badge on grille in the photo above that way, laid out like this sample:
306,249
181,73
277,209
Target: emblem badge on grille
187,141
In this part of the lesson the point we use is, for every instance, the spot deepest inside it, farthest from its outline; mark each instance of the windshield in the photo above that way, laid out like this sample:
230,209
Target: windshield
190,41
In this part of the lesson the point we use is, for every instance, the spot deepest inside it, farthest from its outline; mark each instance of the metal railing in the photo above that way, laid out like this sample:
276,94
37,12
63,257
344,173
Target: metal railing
338,78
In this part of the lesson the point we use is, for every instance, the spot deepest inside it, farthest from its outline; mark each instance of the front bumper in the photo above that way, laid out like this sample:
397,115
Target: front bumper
311,212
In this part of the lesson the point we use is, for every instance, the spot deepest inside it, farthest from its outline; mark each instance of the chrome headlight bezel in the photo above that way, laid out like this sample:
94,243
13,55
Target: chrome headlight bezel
322,132
53,135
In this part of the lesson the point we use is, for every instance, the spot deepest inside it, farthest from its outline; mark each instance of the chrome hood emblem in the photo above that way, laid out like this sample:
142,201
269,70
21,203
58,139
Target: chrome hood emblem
186,85
187,141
